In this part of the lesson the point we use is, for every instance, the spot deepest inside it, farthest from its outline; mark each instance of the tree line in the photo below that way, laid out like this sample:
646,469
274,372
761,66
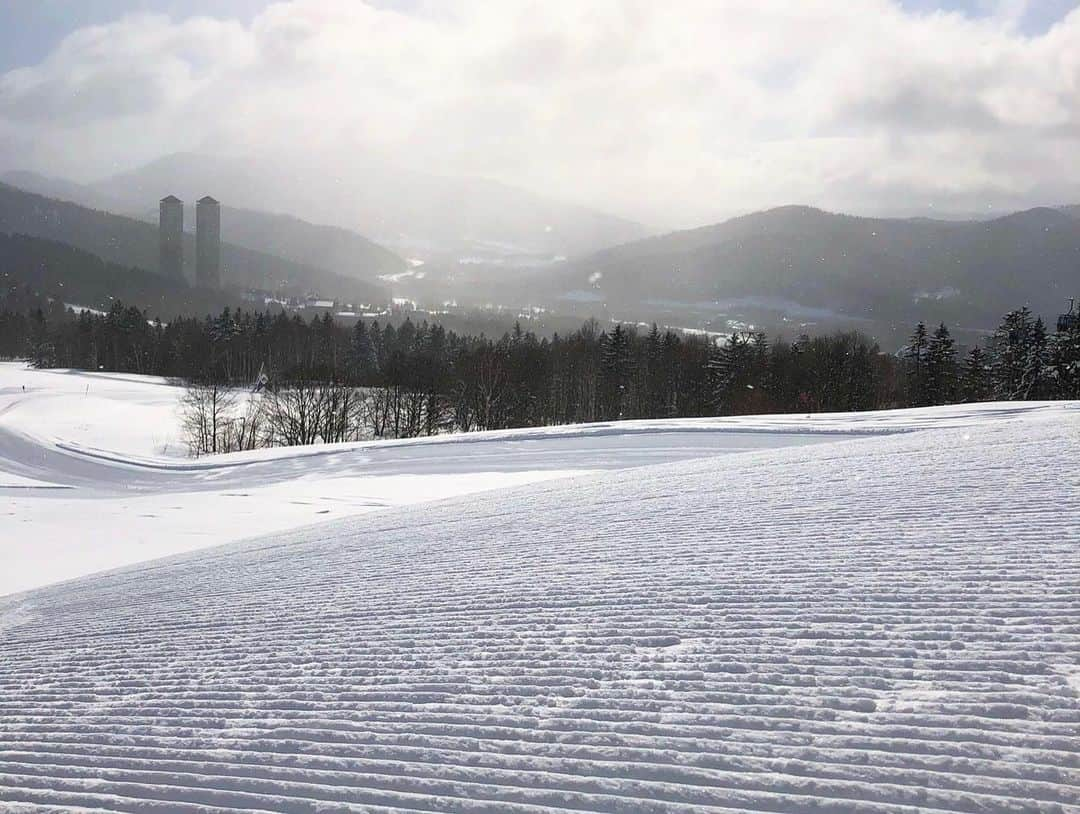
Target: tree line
322,380
1020,360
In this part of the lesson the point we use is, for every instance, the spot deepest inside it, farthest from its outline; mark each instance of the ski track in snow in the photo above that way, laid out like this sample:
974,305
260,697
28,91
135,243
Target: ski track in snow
887,624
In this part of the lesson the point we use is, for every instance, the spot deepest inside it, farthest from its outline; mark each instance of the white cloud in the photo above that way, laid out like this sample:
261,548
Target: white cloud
671,112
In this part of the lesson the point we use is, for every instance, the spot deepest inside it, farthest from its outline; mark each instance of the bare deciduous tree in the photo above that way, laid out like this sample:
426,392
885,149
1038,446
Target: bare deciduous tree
206,415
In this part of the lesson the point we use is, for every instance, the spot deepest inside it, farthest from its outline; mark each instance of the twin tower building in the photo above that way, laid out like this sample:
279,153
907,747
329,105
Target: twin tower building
207,240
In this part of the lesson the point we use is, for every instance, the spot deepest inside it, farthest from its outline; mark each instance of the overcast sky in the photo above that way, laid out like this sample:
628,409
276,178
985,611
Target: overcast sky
675,113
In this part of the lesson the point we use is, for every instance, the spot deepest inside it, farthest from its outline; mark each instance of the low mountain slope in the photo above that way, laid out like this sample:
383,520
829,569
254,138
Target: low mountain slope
886,625
796,260
134,243
326,247
58,188
68,275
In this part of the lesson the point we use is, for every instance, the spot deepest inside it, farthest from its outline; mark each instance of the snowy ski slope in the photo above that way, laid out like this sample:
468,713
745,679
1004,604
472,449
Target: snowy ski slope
84,455
884,624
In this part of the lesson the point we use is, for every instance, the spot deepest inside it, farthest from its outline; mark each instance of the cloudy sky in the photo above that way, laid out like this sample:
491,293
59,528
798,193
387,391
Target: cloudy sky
675,113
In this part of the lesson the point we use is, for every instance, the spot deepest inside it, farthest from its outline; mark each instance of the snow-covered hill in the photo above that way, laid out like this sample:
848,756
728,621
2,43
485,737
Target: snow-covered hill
888,623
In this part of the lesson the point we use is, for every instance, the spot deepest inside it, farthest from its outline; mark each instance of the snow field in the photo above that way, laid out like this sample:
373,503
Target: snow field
130,414
890,624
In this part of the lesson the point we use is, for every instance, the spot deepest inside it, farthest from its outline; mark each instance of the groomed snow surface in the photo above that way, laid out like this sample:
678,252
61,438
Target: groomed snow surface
852,617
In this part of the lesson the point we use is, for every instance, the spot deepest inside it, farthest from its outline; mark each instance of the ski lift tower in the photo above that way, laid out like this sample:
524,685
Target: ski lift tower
1069,322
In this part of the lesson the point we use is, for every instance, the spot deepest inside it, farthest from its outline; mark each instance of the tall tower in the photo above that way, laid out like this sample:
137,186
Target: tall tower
171,237
208,243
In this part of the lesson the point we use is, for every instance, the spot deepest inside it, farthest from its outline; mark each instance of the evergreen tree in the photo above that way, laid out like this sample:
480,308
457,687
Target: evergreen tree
653,383
729,372
1012,349
614,371
759,379
941,367
975,381
223,328
1035,382
671,375
363,361
1063,362
916,360
40,346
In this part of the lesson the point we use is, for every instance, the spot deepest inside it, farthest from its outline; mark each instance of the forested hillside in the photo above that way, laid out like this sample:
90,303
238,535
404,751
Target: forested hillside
130,242
806,264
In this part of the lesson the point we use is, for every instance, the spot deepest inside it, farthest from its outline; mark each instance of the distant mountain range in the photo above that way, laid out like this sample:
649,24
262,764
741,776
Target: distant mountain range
787,270
796,265
425,216
132,242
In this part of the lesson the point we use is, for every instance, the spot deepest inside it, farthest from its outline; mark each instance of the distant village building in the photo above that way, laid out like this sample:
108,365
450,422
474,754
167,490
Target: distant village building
208,243
171,237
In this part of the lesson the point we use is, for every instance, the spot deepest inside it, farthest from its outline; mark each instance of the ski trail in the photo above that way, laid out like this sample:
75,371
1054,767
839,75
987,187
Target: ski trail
887,624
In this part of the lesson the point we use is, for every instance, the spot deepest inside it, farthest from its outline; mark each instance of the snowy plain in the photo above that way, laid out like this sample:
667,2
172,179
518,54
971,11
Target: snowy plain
864,613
